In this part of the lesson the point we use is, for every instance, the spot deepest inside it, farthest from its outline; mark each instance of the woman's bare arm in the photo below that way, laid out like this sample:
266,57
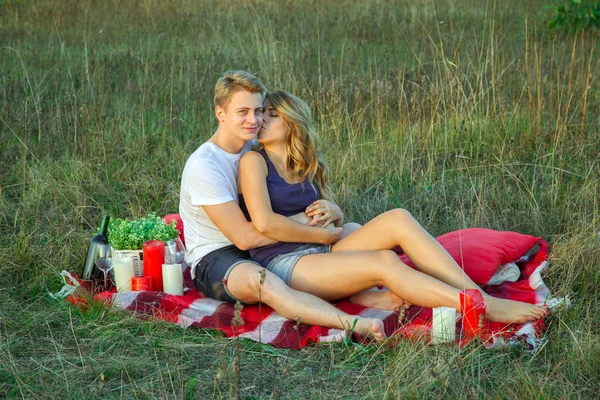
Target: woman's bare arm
253,183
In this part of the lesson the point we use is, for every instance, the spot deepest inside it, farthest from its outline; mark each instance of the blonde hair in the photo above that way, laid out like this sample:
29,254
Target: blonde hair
235,81
301,141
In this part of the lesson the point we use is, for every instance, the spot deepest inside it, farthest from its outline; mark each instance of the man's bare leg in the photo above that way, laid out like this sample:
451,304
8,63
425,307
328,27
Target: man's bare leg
244,283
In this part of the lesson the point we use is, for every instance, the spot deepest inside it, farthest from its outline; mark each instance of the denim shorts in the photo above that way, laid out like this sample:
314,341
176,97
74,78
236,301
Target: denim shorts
214,268
283,265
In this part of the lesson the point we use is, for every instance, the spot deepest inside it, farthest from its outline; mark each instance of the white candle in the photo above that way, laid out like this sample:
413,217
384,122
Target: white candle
123,268
444,325
172,279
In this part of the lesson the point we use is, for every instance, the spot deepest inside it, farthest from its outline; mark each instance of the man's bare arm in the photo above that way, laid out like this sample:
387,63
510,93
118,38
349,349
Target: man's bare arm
233,224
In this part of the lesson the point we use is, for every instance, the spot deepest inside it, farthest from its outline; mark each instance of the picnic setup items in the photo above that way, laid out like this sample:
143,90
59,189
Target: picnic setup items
141,283
137,265
92,254
172,276
104,260
481,253
136,257
127,237
123,269
174,251
473,309
443,325
154,258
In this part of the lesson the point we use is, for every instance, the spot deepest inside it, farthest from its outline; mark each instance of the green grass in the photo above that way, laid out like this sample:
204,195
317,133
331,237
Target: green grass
465,113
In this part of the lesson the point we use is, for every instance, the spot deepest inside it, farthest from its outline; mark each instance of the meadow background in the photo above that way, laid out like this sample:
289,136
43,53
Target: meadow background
468,114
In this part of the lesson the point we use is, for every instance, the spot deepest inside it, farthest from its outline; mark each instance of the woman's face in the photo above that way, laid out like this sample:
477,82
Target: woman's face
273,129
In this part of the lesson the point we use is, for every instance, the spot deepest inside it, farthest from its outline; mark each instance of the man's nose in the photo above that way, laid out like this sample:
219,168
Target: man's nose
252,118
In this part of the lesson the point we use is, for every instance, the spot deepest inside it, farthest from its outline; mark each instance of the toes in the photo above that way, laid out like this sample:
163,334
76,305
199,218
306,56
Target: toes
377,329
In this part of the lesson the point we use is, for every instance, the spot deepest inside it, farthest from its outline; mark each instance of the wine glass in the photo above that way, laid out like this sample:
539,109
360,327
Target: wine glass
104,259
174,251
180,255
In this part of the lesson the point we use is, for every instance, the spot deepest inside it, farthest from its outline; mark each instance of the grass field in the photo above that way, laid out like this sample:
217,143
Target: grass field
465,113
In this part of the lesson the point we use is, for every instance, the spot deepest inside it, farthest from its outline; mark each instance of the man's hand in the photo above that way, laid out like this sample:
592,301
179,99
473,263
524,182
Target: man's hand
332,234
301,218
324,213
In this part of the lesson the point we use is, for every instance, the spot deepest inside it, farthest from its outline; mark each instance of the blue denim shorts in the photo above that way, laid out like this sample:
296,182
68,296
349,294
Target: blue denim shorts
284,264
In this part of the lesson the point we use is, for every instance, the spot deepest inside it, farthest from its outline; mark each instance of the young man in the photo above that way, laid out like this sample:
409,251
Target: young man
217,232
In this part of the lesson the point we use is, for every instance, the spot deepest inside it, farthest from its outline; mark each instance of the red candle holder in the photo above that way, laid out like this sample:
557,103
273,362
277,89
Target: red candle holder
141,283
472,306
154,258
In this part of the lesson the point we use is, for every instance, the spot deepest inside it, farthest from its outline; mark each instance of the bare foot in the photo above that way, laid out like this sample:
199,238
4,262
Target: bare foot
370,327
339,338
381,299
509,311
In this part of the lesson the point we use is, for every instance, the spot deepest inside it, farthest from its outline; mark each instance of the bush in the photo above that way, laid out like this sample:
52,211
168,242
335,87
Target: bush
574,15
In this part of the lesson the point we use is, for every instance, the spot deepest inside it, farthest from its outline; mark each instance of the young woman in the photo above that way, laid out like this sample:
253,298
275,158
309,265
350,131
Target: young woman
285,178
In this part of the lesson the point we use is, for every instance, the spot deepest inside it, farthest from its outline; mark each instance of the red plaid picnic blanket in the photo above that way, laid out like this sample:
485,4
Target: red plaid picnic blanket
480,252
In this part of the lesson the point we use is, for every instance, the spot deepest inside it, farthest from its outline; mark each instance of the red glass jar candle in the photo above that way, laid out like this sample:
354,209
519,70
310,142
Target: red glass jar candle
141,283
154,258
472,307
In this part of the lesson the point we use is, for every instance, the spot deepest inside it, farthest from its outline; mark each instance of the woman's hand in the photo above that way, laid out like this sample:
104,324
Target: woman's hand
324,212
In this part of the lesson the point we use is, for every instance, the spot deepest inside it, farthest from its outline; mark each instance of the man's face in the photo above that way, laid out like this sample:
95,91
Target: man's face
242,116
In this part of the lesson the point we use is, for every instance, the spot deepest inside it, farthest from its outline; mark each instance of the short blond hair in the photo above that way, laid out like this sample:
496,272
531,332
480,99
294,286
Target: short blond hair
235,81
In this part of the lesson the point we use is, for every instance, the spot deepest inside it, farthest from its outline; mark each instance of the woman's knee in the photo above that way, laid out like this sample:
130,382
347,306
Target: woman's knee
386,259
400,214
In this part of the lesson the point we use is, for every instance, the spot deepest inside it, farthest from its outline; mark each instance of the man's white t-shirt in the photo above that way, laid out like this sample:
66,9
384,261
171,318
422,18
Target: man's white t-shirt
209,178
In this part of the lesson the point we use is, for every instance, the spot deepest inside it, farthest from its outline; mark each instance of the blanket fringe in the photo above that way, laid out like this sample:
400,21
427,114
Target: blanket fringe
70,286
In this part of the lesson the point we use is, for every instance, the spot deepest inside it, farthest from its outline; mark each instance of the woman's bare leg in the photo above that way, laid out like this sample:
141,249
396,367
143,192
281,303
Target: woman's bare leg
399,228
339,275
382,299
373,298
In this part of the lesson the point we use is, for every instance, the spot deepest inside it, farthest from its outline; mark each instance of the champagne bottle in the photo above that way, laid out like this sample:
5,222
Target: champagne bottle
89,268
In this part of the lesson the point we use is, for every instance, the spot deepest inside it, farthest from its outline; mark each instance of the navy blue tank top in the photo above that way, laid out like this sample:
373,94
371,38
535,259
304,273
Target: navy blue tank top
286,199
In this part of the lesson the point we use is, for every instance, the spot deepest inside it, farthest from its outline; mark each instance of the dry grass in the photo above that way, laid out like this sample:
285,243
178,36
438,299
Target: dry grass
466,114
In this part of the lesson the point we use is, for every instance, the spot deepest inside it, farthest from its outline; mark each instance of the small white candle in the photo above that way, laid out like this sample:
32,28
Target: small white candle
123,268
444,325
172,279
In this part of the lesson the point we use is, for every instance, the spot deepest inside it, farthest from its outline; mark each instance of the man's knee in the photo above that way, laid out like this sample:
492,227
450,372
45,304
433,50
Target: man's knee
244,280
252,284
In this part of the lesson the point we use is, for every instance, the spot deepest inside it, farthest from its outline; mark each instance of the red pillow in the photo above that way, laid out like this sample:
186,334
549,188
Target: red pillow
178,224
481,251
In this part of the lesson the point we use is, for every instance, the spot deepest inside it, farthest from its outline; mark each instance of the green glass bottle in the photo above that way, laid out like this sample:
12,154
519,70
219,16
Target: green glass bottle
90,272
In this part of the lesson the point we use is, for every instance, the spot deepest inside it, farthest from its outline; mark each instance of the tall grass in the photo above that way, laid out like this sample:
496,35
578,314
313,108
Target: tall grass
467,114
